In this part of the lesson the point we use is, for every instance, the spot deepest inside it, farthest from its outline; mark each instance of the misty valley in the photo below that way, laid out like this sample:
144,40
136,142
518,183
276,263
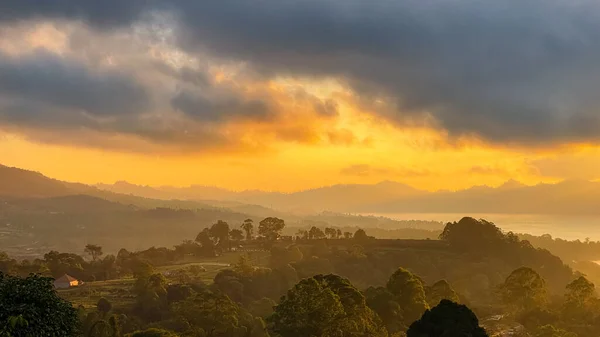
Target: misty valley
299,168
113,264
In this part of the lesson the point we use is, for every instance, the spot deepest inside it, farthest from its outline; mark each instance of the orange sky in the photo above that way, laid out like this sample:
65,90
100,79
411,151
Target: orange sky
421,158
297,148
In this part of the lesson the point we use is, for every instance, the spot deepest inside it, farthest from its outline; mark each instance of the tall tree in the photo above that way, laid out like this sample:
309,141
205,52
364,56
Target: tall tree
34,300
581,301
325,305
330,232
94,251
315,233
409,292
271,228
360,235
447,319
384,303
248,227
524,290
220,232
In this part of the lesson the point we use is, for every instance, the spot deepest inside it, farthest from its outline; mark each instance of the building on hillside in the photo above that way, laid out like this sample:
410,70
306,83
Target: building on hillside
66,281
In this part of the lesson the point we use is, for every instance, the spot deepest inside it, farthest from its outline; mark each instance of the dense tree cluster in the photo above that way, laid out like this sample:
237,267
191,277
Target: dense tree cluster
30,307
323,284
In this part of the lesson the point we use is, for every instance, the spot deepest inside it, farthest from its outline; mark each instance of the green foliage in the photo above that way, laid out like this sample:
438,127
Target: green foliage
439,291
262,308
104,306
151,296
34,300
445,320
580,294
472,235
524,290
325,305
409,293
178,292
13,325
283,256
384,304
217,315
100,328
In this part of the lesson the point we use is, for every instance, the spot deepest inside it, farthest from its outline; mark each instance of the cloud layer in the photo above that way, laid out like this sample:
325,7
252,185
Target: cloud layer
516,71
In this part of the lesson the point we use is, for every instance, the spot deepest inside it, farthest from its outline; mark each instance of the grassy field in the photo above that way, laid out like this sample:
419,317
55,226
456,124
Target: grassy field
88,294
118,291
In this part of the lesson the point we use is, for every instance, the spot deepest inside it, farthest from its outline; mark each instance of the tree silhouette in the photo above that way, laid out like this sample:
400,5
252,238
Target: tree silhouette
409,293
360,235
271,228
248,227
315,233
445,320
325,305
103,306
524,290
94,251
236,235
219,232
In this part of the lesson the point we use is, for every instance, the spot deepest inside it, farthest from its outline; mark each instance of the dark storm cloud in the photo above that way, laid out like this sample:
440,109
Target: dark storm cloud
201,108
514,70
49,79
100,13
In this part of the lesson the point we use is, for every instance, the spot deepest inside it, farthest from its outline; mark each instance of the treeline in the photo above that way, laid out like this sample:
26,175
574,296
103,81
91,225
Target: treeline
575,250
345,286
320,305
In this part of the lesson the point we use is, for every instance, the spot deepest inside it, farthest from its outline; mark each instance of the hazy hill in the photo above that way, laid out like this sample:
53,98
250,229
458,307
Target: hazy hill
16,182
340,198
194,192
38,214
569,197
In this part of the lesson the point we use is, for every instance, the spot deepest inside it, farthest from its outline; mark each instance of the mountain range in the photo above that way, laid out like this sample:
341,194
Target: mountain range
512,197
567,197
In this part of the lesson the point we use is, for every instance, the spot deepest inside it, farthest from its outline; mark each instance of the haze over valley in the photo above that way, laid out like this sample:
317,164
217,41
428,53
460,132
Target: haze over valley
299,168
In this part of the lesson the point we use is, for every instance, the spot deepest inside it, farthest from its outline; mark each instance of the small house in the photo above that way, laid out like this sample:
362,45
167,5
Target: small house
66,281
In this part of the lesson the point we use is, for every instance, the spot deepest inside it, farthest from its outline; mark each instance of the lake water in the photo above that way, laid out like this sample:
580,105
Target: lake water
570,227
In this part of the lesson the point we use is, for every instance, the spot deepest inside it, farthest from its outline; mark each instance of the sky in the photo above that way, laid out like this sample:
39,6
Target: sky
289,95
